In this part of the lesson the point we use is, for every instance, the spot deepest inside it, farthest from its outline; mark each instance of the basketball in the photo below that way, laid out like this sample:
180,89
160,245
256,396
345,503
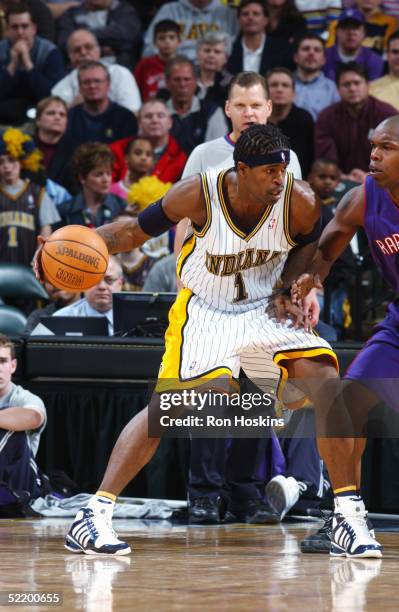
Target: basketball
74,258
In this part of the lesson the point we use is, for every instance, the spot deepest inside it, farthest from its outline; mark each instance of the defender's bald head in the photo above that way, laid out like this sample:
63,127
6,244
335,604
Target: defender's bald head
389,127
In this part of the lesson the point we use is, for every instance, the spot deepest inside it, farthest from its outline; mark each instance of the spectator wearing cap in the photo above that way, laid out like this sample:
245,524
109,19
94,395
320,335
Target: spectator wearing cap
378,26
342,132
349,47
387,87
98,119
82,47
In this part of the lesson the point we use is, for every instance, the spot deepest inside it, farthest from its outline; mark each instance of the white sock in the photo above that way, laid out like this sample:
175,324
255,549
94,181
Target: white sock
101,505
352,505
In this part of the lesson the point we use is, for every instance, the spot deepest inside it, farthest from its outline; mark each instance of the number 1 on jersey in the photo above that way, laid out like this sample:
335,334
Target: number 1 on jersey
12,237
241,292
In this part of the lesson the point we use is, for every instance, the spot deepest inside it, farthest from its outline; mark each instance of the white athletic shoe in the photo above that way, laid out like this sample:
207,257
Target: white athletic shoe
350,535
92,534
282,493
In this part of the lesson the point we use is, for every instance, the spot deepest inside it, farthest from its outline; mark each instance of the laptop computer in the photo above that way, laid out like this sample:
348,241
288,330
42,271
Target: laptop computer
141,315
71,326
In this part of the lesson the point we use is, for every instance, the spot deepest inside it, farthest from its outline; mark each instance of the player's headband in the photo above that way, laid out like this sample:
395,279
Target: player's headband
281,156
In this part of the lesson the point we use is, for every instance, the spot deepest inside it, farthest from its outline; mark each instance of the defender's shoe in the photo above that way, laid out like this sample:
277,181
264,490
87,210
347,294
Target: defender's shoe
350,535
282,493
92,534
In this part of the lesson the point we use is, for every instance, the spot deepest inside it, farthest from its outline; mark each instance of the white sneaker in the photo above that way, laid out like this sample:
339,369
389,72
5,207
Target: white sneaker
92,534
282,493
350,534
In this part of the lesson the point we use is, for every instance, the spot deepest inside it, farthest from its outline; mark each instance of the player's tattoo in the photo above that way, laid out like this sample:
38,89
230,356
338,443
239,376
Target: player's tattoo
121,237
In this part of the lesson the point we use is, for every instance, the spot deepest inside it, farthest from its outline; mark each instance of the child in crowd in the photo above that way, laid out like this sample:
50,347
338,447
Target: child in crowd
324,179
149,71
138,262
140,161
25,209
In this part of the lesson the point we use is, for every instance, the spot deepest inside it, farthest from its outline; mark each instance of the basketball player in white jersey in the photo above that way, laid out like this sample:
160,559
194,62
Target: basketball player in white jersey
254,228
247,103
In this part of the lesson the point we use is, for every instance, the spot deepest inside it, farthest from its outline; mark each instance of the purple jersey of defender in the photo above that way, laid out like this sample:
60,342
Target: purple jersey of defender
381,224
377,365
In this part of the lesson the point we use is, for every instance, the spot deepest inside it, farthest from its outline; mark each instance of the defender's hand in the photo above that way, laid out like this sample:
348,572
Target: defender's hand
303,285
311,310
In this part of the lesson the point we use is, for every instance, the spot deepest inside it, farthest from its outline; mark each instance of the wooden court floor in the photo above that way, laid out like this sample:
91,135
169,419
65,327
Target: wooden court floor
232,567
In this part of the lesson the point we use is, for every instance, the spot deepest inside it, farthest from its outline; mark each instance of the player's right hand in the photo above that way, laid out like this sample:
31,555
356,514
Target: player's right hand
281,308
303,285
37,260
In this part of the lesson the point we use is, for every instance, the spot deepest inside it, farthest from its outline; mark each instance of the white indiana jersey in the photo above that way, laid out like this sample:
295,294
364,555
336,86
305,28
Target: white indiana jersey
228,269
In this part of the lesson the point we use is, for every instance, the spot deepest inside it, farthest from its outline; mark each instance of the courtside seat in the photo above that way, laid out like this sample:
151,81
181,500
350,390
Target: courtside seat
12,320
17,281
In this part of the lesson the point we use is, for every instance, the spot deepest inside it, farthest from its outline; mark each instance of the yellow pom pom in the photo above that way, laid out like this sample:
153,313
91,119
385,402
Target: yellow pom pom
147,190
14,140
33,161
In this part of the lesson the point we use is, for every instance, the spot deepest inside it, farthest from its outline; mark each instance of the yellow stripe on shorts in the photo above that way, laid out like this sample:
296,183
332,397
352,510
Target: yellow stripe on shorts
169,377
300,354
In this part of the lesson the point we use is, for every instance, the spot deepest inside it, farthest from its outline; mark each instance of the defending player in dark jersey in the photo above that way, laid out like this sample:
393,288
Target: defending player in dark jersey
375,207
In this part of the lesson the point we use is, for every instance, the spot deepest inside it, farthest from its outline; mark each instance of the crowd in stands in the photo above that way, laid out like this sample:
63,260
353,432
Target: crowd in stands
114,96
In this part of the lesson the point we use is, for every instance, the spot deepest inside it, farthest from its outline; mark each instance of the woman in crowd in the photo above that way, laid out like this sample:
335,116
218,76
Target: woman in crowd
56,146
94,205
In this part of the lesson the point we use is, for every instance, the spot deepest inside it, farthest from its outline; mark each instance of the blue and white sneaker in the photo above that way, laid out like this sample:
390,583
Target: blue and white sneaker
92,534
350,535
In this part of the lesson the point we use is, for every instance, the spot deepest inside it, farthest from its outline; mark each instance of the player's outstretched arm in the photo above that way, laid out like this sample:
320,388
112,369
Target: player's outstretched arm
185,199
333,241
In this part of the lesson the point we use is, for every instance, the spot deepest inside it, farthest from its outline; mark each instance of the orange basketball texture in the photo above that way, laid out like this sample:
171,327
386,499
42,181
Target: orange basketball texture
74,258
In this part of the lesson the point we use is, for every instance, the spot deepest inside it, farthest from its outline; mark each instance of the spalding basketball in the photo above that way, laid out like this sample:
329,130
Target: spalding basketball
74,258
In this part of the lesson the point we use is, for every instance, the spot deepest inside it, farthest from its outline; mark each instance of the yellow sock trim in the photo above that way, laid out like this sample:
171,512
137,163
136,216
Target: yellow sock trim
105,494
344,489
